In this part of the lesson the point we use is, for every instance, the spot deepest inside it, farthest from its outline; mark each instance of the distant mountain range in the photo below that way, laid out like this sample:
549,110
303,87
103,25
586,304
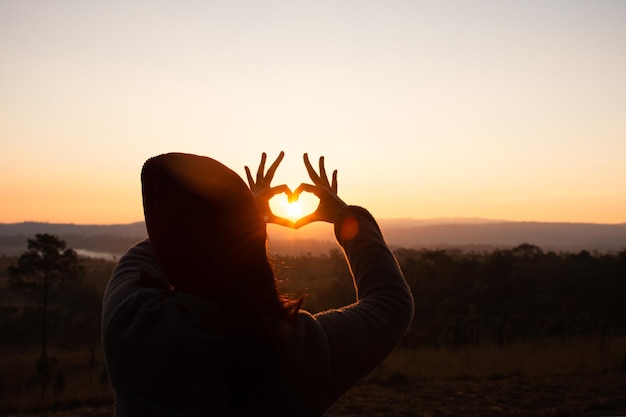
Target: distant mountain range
104,241
32,228
549,236
478,234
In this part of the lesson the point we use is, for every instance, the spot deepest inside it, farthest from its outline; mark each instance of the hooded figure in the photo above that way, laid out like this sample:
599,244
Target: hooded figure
193,324
206,231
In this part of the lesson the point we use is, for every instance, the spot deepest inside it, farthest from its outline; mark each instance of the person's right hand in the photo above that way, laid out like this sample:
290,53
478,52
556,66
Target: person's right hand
263,190
330,203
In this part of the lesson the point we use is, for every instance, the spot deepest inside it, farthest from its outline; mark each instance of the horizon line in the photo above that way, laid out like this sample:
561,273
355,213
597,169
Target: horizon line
432,220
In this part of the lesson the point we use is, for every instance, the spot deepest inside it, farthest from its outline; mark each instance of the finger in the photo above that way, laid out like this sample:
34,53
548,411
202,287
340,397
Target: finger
281,189
322,174
270,172
249,175
281,221
310,169
284,188
305,220
334,184
309,188
259,172
291,196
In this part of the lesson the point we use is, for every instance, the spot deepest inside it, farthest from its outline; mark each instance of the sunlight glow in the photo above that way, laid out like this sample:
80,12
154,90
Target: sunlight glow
294,210
306,204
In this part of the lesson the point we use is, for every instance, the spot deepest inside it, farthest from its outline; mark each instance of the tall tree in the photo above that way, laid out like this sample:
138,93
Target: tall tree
47,262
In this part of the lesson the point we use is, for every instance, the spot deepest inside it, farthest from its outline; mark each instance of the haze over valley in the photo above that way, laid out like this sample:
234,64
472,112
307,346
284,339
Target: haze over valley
111,241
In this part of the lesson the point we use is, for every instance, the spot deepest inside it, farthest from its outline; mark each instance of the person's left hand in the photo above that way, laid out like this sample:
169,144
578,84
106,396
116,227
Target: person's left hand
330,203
263,191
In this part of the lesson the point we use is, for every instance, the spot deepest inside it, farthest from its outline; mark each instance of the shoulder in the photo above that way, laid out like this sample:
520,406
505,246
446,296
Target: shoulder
137,280
139,266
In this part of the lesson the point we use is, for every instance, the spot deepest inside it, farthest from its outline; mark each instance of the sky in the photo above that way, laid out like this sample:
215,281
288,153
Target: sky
510,110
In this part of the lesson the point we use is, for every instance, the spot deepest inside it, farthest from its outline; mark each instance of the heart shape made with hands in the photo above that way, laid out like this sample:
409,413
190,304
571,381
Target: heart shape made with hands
300,206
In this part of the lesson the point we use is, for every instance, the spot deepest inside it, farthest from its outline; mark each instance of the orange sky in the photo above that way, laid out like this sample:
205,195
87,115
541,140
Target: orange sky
501,110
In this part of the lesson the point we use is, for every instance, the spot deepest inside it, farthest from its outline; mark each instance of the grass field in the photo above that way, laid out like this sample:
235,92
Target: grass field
551,378
532,359
78,379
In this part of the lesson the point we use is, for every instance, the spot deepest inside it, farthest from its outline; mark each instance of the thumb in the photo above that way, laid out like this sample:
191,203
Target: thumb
306,220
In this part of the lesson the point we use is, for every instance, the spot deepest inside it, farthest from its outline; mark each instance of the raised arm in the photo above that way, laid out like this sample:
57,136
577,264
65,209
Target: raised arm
362,335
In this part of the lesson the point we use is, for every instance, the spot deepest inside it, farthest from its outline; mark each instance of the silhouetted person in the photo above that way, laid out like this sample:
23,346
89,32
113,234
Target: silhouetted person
193,324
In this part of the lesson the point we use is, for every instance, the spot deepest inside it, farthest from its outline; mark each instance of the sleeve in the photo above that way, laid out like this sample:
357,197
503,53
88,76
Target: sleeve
360,336
137,275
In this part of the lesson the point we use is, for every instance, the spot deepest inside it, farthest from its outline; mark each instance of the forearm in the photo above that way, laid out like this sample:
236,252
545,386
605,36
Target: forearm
374,267
361,335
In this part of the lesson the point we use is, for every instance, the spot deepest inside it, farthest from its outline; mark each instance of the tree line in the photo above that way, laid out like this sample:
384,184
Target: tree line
513,295
461,298
497,297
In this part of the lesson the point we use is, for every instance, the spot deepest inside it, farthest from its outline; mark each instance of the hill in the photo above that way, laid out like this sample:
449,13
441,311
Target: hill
113,240
99,241
64,229
549,236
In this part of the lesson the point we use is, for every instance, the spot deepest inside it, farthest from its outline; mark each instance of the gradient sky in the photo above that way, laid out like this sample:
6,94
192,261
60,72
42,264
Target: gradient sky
512,110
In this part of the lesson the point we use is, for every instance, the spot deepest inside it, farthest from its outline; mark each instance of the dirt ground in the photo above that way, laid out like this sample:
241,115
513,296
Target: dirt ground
585,395
572,395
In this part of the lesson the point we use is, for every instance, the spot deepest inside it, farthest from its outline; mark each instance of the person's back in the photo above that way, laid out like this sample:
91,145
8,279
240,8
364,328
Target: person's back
177,348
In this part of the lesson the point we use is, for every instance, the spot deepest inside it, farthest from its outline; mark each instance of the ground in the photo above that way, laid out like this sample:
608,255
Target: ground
602,394
580,395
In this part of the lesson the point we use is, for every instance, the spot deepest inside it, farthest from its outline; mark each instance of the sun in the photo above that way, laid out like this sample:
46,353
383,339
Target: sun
305,205
293,210
282,207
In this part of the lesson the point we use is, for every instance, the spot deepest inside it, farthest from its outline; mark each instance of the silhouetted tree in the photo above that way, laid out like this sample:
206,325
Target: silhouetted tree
47,262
